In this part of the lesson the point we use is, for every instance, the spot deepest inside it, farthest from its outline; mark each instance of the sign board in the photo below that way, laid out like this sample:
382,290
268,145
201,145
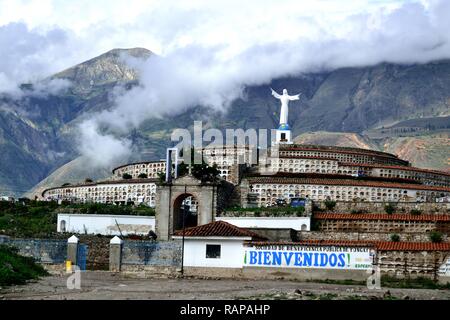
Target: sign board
321,257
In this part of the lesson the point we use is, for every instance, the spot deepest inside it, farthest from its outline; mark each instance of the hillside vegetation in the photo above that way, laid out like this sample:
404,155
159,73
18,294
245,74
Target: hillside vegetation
16,269
38,219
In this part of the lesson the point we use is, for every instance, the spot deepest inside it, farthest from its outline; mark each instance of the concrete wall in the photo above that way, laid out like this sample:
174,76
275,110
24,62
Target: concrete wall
296,223
231,253
42,250
105,224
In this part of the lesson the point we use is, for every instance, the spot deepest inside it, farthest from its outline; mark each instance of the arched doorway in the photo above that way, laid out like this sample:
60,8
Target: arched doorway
188,204
62,226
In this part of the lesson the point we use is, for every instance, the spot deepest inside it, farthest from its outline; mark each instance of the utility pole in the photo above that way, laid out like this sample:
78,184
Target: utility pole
182,239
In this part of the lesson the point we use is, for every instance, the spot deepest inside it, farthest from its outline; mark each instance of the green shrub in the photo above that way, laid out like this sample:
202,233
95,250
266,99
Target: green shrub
389,208
415,211
127,176
395,237
17,269
436,236
143,176
330,205
412,283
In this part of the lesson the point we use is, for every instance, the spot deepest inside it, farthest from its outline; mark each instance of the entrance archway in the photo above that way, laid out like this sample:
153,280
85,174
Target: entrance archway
170,197
187,204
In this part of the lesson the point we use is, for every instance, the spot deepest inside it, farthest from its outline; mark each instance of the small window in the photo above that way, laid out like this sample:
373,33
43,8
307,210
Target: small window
63,226
213,251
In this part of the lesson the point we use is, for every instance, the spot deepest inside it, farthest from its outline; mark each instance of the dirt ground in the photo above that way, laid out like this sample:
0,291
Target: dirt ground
105,285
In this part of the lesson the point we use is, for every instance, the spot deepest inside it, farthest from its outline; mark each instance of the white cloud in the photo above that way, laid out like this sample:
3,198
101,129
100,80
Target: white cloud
209,50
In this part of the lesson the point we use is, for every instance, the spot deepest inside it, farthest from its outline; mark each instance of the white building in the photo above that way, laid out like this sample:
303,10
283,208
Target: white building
105,224
217,244
137,191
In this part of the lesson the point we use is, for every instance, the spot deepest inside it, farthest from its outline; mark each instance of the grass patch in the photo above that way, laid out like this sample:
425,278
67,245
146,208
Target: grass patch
17,269
413,283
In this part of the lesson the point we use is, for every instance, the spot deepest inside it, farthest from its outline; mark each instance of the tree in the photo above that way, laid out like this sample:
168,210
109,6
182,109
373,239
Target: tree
127,176
161,177
395,237
435,236
389,208
143,176
329,204
88,180
203,171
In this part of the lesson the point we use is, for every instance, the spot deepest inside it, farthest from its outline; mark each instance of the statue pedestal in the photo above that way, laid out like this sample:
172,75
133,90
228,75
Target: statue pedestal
283,135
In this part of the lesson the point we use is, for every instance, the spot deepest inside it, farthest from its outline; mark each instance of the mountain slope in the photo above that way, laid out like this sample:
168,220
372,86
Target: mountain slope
37,134
427,150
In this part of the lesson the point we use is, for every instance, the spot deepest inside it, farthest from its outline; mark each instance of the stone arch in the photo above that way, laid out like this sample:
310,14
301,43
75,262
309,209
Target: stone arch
169,198
190,204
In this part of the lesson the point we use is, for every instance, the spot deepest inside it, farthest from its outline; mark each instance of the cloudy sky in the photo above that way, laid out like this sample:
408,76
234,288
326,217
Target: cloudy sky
39,37
221,45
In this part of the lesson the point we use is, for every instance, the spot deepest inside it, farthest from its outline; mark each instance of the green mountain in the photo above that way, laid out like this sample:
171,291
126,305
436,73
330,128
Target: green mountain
402,109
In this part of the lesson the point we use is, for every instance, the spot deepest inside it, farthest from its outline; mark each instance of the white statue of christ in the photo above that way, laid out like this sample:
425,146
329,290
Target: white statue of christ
284,98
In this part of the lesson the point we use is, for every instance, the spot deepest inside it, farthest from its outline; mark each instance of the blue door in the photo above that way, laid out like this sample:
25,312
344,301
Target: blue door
82,256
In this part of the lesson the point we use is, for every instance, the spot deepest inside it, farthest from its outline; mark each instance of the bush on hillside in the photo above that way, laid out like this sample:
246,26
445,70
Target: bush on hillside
17,269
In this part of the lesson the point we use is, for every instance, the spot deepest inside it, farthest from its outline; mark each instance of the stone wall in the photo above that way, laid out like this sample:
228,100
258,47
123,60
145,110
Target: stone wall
146,271
98,251
371,236
150,253
378,207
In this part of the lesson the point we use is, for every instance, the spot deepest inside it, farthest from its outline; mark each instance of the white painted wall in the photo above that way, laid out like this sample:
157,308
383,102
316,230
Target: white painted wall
444,269
106,224
295,223
231,255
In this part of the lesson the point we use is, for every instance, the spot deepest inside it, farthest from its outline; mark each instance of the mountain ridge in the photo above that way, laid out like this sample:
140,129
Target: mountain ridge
38,137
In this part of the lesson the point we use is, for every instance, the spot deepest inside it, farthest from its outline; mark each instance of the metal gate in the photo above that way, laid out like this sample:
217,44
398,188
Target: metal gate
82,256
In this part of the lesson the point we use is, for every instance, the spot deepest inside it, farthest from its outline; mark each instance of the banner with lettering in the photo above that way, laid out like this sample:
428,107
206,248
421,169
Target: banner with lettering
324,257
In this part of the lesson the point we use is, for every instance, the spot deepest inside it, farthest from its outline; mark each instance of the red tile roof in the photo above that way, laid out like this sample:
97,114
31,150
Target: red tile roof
138,163
336,149
306,157
379,245
343,182
381,216
218,229
382,166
